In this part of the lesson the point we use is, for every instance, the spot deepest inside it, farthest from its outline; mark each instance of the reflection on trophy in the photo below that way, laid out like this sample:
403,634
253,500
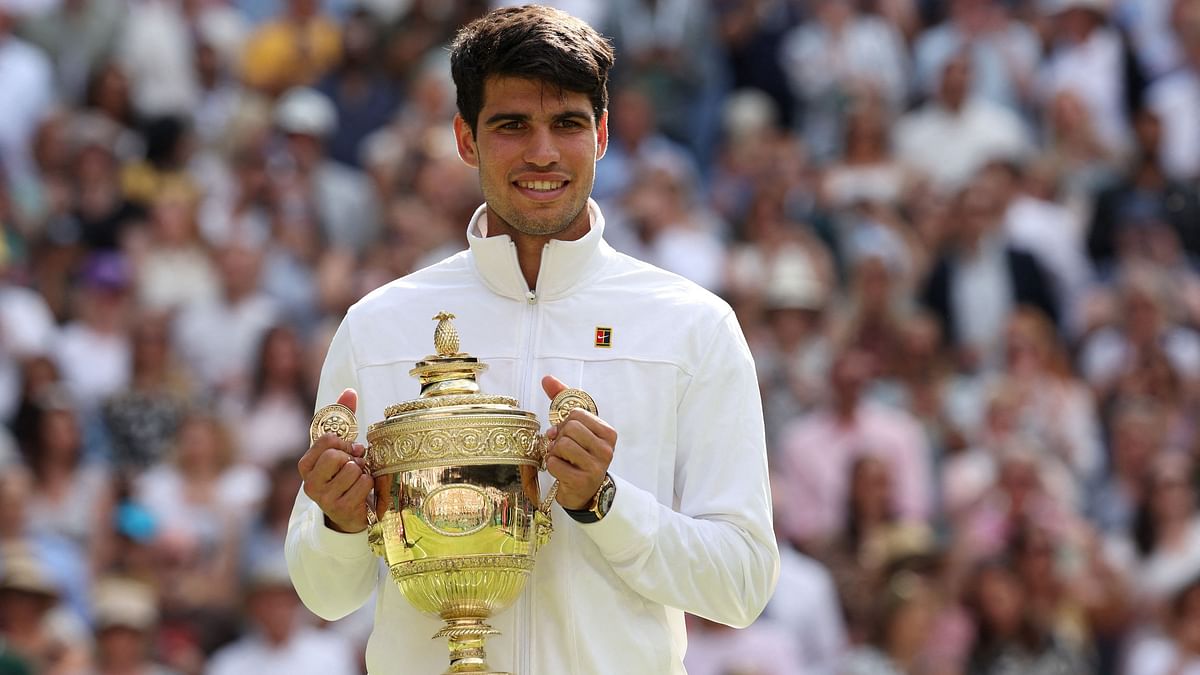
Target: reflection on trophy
456,512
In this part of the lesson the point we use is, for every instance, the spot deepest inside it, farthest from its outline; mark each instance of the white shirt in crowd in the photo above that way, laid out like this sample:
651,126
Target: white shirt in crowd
950,147
807,607
1176,100
1094,72
24,69
308,652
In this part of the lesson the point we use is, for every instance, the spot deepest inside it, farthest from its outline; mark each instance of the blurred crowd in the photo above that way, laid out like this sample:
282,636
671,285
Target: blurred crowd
961,237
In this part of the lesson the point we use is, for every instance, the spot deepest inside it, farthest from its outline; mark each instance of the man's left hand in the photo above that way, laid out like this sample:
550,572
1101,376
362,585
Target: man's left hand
581,449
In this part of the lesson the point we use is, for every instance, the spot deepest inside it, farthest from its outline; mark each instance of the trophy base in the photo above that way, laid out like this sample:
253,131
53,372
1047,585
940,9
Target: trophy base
466,636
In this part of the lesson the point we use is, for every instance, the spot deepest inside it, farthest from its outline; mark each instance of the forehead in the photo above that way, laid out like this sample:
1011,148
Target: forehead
531,97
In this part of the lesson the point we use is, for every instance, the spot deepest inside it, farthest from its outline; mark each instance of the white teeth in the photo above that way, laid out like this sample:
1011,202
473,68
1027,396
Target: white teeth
540,185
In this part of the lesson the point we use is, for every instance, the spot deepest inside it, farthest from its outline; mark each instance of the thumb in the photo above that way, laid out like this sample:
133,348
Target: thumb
552,385
349,398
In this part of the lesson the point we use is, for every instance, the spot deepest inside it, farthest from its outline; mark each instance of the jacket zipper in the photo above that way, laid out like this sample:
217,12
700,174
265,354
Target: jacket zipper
531,315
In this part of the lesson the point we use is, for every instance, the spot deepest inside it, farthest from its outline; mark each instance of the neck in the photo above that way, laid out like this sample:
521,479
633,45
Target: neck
529,257
531,246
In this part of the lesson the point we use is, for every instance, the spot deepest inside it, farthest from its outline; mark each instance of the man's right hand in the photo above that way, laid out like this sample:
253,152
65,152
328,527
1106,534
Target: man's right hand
336,479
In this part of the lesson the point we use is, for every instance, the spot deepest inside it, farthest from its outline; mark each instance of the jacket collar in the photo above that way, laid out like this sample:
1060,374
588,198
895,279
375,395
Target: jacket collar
564,263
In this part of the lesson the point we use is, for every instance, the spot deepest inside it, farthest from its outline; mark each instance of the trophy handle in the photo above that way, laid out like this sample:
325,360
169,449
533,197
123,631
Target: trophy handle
375,533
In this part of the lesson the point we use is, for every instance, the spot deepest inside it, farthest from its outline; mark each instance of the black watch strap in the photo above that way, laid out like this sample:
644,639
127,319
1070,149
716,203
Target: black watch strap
582,515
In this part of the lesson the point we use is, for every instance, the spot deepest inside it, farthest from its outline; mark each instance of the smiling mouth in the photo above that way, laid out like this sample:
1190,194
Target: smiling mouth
541,185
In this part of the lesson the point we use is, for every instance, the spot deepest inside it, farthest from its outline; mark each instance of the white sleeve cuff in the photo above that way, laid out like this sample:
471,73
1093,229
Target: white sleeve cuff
338,545
628,528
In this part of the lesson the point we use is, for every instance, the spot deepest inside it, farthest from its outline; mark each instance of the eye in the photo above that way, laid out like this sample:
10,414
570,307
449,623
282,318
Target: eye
569,124
513,125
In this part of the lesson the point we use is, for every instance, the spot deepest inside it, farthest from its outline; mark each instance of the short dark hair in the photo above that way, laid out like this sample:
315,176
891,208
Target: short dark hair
532,42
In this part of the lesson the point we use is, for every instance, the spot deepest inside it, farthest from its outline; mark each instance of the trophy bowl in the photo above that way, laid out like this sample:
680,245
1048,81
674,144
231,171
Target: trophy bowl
457,517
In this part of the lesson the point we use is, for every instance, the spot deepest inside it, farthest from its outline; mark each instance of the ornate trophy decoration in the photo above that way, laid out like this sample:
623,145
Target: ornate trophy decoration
456,513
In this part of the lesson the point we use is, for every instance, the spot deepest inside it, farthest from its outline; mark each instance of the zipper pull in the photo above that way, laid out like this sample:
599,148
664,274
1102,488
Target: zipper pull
531,297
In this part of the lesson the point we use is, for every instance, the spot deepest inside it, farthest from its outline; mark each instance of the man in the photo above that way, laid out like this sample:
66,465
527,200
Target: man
279,640
538,294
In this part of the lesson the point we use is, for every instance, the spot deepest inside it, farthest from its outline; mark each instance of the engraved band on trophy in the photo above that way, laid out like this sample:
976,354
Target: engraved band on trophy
457,515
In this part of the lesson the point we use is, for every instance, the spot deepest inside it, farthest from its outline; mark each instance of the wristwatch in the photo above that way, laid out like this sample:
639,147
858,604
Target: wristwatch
600,504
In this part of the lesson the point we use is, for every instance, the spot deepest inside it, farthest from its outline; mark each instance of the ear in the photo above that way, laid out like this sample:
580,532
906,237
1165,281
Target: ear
465,139
602,135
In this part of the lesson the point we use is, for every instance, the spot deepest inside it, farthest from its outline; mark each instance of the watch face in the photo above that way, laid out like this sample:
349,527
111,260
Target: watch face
605,499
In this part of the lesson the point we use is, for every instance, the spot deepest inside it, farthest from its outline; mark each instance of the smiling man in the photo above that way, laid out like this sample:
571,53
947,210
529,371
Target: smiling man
664,503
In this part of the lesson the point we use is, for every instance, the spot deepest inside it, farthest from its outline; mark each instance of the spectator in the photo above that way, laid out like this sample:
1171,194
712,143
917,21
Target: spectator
218,338
1003,52
126,618
25,69
1143,207
905,614
32,625
335,197
278,408
73,496
76,35
806,606
155,51
294,49
816,452
363,97
1161,553
93,352
1087,59
142,419
280,642
840,59
1176,98
1177,649
981,278
953,135
1009,639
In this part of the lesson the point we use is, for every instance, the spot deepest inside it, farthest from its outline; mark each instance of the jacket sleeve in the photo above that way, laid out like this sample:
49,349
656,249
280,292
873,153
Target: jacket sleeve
334,573
715,555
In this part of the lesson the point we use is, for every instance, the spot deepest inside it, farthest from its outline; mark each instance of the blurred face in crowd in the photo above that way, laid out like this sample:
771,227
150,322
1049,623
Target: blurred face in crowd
850,373
998,595
871,490
60,436
1076,24
201,447
1185,624
956,82
1172,498
536,149
274,610
121,646
15,489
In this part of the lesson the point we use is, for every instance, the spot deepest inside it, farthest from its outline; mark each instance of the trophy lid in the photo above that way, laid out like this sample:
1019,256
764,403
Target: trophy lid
449,377
452,423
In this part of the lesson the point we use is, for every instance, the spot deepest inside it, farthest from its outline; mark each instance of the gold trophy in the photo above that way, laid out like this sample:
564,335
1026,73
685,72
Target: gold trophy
456,512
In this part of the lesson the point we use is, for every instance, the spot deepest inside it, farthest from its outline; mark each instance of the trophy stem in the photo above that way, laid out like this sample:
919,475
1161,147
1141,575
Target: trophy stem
466,636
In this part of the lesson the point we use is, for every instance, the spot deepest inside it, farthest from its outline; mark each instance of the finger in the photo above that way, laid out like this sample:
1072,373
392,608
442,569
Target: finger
358,450
594,445
601,429
552,386
349,398
573,453
357,493
328,465
313,454
566,472
344,478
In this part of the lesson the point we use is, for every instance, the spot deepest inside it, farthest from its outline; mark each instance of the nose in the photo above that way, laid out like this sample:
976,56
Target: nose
542,149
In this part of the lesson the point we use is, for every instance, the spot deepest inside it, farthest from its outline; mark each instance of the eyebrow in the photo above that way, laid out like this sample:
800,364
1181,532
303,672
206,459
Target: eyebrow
523,117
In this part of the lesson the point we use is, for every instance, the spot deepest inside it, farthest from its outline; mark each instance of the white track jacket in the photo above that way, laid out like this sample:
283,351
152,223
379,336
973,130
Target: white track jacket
690,528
